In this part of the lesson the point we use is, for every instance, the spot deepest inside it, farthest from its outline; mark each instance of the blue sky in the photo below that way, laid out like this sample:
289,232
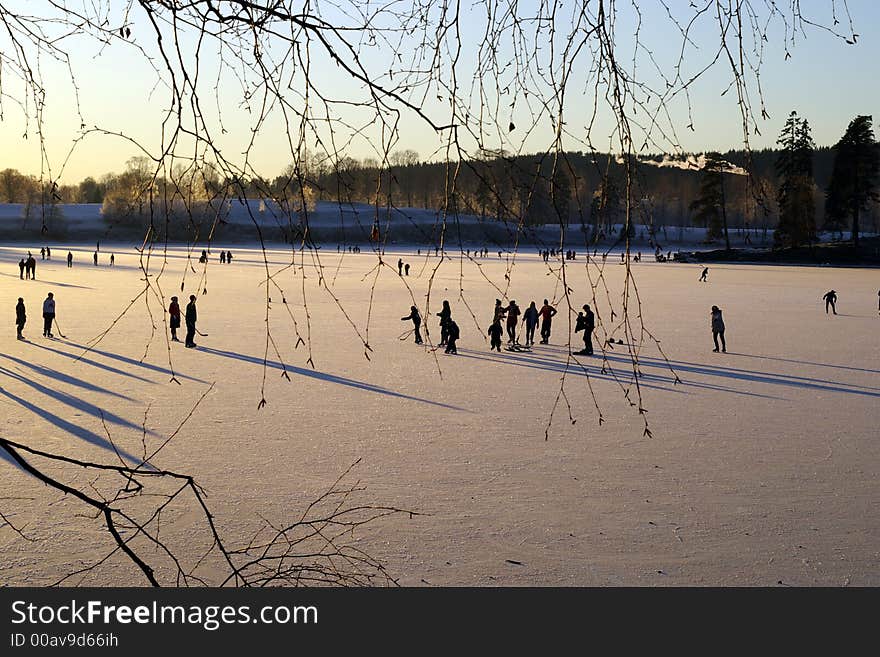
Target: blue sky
826,81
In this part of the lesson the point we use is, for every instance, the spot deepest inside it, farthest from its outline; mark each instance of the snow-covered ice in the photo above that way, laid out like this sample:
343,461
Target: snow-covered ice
763,466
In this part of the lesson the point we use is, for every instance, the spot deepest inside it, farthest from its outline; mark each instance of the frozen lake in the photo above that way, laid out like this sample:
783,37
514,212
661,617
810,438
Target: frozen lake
763,467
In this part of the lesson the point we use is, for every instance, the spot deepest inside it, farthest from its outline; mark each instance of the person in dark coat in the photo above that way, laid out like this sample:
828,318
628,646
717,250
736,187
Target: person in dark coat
499,312
31,267
95,258
586,322
530,318
445,316
416,320
20,318
406,269
400,267
495,332
704,274
830,300
513,313
174,318
69,259
452,337
228,257
21,265
191,317
48,315
223,257
718,329
547,311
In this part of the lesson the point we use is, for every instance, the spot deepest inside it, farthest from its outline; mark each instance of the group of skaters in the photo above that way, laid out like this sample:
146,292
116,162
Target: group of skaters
509,315
48,316
27,267
225,257
190,317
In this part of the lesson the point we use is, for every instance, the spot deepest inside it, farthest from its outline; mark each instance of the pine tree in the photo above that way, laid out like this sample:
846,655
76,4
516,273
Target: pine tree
710,207
794,196
854,176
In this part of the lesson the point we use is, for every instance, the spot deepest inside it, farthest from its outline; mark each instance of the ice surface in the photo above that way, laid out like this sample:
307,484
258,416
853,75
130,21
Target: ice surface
762,468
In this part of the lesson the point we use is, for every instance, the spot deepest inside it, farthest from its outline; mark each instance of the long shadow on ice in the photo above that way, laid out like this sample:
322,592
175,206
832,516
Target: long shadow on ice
93,363
127,361
328,378
45,281
806,362
67,427
724,372
65,378
73,402
664,381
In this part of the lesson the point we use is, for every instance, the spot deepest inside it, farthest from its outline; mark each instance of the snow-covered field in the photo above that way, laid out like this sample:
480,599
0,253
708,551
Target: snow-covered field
764,465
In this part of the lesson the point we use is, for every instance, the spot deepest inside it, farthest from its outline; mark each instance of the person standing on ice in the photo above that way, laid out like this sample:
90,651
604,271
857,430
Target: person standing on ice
42,253
704,274
445,316
228,257
452,337
48,315
499,311
495,332
32,265
69,259
20,318
174,318
530,318
586,322
399,267
223,257
95,258
191,317
547,311
718,329
48,253
513,313
416,320
21,266
830,300
112,259
406,269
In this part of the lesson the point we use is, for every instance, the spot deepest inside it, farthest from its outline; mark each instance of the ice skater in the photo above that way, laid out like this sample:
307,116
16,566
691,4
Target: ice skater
513,313
704,275
586,322
445,316
48,315
21,265
112,259
416,320
547,311
530,319
95,258
830,298
223,257
69,259
718,329
228,257
399,267
20,318
495,333
191,317
174,318
452,337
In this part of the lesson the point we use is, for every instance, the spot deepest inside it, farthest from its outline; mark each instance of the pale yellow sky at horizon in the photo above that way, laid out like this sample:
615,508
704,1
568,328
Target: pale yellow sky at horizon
120,92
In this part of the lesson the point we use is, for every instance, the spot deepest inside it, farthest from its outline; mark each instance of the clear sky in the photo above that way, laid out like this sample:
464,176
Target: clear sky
825,80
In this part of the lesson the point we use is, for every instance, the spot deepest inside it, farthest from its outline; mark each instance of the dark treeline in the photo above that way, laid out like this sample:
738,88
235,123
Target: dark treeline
578,189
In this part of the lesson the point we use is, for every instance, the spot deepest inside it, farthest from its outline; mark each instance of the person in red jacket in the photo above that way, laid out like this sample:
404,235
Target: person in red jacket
174,313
